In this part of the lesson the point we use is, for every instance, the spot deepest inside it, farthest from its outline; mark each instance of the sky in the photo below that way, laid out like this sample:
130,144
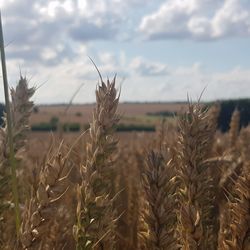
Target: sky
161,50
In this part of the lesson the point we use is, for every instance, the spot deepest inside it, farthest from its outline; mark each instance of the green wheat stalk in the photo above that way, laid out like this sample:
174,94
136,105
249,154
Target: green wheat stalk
10,132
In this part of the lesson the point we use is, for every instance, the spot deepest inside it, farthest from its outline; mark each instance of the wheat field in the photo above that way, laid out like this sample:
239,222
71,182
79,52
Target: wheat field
183,187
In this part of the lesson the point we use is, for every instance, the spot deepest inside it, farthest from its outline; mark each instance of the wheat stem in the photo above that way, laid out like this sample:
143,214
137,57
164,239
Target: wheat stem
10,133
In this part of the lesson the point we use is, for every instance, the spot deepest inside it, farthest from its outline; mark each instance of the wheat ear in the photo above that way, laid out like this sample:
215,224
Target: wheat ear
20,108
95,215
234,233
160,191
40,210
195,141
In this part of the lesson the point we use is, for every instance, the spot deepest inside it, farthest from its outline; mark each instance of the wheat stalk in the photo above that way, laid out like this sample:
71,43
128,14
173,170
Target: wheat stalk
234,128
95,215
21,107
40,210
123,229
197,191
234,233
160,191
10,134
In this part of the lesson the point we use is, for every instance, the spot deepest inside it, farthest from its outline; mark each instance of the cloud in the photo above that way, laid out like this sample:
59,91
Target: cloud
145,80
232,19
198,20
35,26
52,40
177,82
91,31
147,68
63,78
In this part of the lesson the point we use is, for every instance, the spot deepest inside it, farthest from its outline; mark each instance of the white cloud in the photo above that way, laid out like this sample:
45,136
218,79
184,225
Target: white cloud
195,19
53,7
48,54
231,20
199,26
145,80
36,28
169,20
144,67
179,81
53,39
41,24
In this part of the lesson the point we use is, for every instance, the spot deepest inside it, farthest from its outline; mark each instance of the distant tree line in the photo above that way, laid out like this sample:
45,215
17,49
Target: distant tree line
76,127
165,113
228,107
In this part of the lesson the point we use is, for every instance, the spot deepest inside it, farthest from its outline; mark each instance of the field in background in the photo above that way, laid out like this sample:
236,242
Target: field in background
182,185
131,113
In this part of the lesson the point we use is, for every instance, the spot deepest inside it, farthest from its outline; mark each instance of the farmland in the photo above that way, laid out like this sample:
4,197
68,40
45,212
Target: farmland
131,113
183,185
